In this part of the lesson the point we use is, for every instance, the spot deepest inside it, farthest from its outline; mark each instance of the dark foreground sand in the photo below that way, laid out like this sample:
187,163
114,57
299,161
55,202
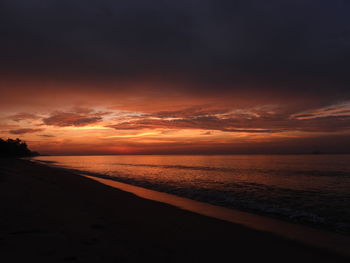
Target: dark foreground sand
50,215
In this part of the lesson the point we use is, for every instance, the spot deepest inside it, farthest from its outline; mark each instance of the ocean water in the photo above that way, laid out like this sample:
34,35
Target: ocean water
309,189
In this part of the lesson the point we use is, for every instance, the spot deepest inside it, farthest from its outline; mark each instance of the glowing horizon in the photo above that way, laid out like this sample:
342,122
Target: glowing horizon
199,129
209,77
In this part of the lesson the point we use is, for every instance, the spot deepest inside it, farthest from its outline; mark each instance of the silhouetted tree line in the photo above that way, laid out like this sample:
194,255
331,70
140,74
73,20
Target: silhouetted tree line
15,148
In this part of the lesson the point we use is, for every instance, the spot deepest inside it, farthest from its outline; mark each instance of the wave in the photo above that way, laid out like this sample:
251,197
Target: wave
315,207
250,197
47,162
246,202
243,170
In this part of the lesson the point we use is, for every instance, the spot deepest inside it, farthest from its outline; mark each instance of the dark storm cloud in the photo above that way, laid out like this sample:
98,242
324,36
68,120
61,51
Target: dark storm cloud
300,46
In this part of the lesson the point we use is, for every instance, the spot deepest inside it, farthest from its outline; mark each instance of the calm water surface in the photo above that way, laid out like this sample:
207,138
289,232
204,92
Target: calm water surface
312,189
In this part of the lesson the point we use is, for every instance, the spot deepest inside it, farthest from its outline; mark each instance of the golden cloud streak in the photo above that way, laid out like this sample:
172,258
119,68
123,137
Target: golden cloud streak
98,127
133,135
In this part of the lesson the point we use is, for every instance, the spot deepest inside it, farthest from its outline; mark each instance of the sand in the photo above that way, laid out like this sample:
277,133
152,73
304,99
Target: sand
51,215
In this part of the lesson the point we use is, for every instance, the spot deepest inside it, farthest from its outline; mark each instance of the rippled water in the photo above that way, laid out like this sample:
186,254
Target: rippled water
313,189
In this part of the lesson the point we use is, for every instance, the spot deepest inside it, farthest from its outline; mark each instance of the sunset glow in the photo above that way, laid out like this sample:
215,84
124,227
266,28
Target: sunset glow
104,129
186,86
174,131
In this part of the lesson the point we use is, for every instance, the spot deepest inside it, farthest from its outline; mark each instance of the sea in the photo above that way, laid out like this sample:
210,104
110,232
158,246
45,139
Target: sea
306,189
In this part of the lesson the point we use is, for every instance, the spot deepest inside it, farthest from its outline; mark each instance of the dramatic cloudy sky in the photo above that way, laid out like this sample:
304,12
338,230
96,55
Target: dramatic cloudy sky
185,76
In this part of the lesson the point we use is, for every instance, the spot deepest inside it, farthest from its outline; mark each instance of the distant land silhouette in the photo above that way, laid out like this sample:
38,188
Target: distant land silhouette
11,148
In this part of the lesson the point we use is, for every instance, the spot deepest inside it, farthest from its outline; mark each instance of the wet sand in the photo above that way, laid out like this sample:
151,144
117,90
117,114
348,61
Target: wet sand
51,215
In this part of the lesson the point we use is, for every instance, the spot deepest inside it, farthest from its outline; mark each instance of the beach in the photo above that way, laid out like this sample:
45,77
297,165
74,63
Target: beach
52,215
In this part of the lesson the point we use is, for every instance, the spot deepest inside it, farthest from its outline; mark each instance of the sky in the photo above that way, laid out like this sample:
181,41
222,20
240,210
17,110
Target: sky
176,77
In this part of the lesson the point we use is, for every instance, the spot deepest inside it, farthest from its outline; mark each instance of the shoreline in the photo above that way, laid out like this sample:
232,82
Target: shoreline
316,226
59,216
298,232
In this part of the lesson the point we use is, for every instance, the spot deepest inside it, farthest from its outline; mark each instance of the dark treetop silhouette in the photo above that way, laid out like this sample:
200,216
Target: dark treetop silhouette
15,148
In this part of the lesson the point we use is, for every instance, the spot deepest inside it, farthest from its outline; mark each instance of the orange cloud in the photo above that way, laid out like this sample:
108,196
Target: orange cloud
24,131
